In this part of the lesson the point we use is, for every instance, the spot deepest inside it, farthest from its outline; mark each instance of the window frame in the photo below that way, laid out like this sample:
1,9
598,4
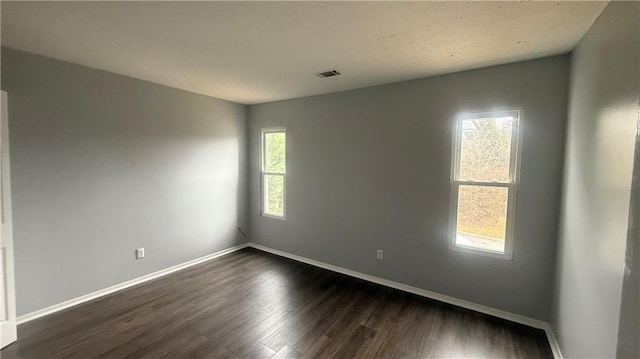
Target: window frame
263,173
511,183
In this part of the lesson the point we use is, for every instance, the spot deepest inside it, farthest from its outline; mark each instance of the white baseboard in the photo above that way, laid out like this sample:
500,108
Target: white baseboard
553,342
539,324
102,292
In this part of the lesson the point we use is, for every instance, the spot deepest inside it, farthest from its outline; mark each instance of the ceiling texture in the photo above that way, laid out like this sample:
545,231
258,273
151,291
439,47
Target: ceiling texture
255,52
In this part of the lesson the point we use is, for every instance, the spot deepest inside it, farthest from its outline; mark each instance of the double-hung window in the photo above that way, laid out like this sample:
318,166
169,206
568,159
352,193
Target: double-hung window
484,181
273,172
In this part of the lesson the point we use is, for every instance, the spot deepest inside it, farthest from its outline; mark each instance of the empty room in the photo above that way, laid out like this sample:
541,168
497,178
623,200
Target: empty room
422,179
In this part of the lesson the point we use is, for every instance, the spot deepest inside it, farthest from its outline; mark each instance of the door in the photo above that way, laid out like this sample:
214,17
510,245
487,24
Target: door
7,285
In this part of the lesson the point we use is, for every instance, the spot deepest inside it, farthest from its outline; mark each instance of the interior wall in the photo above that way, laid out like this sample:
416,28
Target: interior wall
369,169
603,115
103,164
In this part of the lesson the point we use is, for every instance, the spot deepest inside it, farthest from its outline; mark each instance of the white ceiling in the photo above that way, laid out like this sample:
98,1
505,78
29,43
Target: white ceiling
253,52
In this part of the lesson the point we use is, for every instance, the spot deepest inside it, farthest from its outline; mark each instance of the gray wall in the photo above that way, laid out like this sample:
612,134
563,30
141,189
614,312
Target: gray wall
369,169
103,164
603,114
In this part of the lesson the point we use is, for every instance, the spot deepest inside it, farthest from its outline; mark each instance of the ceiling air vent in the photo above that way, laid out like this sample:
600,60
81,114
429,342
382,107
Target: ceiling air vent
328,73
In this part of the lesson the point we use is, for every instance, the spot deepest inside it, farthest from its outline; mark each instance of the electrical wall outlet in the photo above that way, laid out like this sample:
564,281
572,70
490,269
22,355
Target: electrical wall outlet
379,254
139,253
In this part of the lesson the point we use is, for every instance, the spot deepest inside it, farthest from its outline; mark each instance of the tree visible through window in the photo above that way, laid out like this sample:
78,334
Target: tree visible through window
273,172
484,180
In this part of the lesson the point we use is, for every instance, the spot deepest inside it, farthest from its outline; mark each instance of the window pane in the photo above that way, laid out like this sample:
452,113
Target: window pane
274,158
482,217
274,195
486,149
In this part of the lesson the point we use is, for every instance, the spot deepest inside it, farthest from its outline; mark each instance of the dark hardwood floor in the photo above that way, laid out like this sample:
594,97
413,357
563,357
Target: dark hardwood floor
250,304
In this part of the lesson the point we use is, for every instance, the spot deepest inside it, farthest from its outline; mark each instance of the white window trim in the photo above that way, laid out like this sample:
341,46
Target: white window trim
264,173
511,184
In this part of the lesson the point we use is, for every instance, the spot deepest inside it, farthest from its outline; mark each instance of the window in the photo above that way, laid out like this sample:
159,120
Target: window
484,180
274,168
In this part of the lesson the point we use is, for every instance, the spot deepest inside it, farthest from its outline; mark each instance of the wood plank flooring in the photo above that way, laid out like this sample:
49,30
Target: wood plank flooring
251,304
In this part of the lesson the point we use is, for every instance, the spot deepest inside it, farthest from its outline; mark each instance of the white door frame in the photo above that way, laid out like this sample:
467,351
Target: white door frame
8,329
